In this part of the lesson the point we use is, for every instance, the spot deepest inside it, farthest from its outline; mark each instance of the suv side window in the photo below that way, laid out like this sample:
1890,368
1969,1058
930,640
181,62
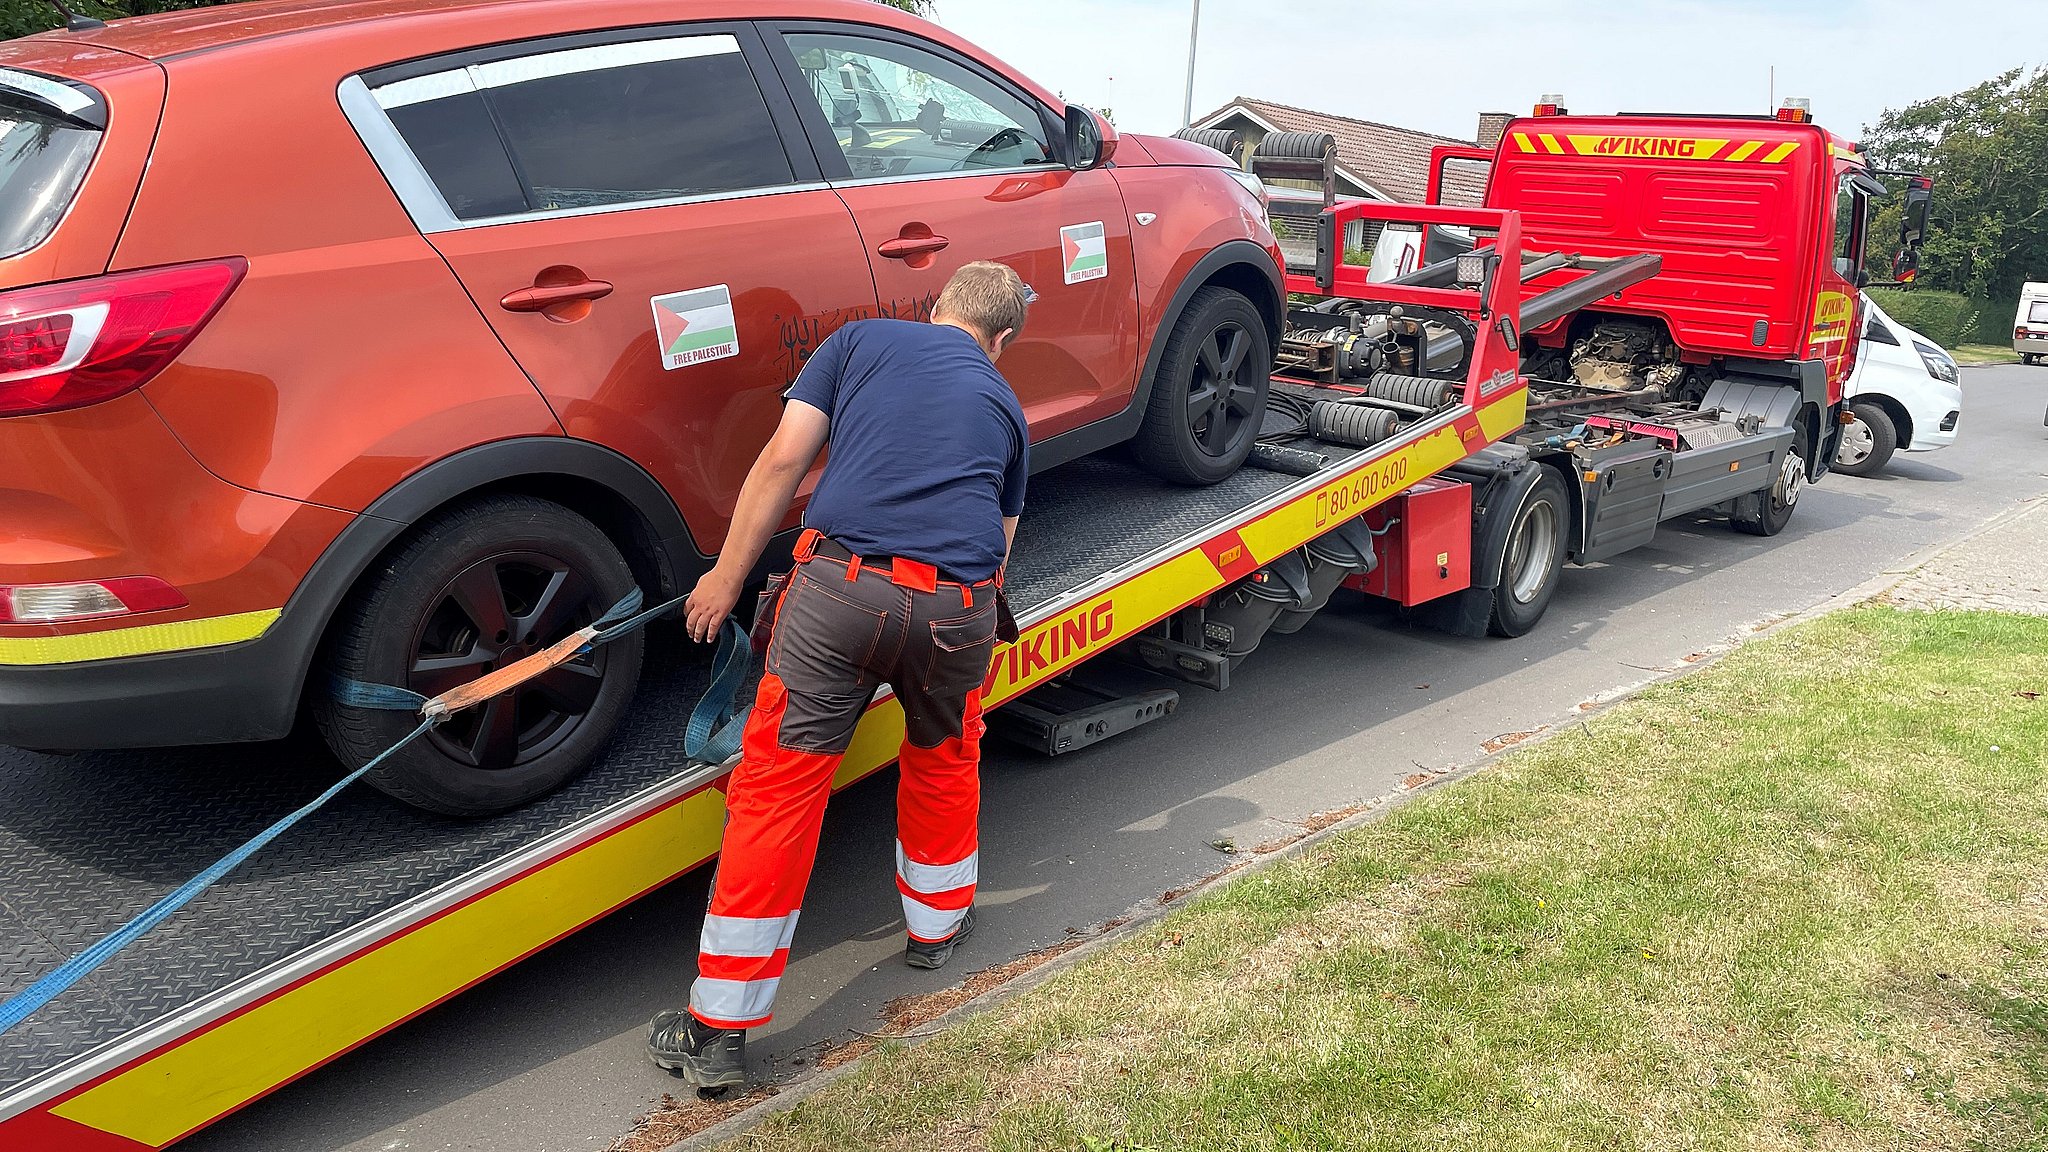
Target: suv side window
589,127
898,110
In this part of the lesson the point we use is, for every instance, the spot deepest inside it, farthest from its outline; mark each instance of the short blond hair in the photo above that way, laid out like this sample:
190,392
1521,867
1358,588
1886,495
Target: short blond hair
987,296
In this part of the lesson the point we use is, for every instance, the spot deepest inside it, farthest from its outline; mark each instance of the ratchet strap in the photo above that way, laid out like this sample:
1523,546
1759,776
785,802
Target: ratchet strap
712,737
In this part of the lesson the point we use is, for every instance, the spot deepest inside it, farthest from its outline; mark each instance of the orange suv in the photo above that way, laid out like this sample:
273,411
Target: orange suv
393,340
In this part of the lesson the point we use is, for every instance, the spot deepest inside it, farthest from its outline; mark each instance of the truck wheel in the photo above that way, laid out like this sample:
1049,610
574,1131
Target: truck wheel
472,591
1209,398
1867,442
1534,557
1767,512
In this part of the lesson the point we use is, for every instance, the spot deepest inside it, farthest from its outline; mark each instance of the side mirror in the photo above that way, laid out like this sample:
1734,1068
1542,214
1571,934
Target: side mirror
1091,140
1863,278
1913,219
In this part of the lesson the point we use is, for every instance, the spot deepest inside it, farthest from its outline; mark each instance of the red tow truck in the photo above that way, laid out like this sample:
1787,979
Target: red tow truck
1652,319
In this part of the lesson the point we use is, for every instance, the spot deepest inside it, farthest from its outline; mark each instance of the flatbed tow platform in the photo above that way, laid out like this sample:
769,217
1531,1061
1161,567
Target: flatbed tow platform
370,912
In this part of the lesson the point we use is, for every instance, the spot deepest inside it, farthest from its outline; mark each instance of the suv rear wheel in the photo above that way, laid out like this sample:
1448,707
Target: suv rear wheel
473,591
1209,398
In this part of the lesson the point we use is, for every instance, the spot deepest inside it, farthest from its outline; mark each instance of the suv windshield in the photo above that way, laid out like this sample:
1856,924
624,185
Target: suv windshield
43,157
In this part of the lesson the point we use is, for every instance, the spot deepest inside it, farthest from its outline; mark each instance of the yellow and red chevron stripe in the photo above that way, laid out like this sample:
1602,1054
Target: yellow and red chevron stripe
1656,147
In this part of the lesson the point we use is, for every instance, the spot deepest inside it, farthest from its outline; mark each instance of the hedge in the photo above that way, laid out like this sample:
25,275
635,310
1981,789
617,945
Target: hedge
1950,319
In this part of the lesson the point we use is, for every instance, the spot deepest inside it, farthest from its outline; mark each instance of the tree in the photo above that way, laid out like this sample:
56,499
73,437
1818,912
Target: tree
1987,149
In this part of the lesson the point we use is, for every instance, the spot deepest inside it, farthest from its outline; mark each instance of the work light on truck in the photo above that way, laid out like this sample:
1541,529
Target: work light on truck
1550,105
84,341
1796,110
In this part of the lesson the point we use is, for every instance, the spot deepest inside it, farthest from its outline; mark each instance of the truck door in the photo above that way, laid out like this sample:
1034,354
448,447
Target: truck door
627,217
1837,316
943,163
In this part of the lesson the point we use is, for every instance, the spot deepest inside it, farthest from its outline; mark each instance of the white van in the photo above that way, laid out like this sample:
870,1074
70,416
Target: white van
2030,324
1904,395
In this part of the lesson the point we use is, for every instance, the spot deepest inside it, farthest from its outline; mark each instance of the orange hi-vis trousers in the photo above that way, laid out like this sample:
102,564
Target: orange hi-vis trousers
841,629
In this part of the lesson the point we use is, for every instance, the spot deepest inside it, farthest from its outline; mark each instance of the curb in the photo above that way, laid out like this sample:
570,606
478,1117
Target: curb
1151,911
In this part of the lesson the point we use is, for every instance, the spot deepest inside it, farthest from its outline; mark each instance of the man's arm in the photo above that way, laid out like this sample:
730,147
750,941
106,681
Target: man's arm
764,501
1009,537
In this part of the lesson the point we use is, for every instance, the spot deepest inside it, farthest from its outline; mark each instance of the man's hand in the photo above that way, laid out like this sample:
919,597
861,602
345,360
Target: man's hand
711,601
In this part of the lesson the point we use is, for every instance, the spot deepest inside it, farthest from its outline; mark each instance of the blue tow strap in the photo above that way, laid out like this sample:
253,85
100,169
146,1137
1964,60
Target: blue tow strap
719,720
19,1007
713,737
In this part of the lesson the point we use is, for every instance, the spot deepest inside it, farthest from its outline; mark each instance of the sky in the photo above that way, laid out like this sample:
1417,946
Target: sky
1436,66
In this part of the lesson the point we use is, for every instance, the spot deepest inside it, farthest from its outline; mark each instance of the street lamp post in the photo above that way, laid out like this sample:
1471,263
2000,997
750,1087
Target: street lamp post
1187,111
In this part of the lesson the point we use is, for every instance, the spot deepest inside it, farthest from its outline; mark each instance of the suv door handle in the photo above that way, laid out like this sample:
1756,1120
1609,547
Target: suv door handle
912,247
542,297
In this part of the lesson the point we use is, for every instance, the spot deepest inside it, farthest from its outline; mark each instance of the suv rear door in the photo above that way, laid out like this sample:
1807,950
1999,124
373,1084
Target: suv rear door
622,208
943,162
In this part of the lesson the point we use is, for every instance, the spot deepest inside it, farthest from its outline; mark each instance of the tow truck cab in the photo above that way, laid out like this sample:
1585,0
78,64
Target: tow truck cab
1762,224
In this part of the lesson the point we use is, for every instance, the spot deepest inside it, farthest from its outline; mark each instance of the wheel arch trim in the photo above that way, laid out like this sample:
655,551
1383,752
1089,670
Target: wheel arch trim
1225,257
305,619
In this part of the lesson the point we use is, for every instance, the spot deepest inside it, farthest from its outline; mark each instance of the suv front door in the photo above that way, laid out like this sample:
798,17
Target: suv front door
623,210
944,163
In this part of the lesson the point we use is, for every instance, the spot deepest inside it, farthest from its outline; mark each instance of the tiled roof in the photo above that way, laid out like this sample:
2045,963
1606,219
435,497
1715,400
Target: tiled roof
1393,160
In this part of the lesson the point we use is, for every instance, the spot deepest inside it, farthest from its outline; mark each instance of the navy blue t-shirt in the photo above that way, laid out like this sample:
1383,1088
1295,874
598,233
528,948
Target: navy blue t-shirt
928,449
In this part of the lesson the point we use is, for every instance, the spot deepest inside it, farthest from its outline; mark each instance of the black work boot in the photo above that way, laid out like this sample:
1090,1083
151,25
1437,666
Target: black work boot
919,954
705,1056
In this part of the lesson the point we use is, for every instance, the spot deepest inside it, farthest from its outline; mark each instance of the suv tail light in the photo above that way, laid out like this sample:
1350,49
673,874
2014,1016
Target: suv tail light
83,341
56,603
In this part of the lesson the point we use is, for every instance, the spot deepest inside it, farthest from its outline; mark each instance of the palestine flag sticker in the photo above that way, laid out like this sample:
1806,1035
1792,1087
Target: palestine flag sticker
1085,253
695,326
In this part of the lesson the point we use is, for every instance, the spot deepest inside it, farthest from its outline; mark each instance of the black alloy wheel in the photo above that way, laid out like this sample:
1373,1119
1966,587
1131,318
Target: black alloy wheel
469,592
1222,400
1208,398
497,611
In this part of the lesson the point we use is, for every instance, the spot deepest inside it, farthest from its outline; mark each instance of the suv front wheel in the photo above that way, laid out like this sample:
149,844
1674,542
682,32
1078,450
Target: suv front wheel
1209,398
472,591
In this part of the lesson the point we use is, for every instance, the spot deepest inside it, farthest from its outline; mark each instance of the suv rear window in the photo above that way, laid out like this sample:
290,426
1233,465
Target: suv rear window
2038,314
588,127
46,144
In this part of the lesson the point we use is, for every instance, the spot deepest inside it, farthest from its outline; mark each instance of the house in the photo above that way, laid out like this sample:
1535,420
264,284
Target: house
1374,161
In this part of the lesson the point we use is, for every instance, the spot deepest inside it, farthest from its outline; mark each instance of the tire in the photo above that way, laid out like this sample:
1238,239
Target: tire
1868,443
1209,398
1533,559
1767,512
422,620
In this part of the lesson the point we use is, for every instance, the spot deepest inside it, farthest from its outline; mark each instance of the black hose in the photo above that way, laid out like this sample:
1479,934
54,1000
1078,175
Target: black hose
1294,408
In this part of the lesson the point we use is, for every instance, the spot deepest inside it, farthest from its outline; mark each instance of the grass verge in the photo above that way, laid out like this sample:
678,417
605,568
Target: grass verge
1984,354
1797,900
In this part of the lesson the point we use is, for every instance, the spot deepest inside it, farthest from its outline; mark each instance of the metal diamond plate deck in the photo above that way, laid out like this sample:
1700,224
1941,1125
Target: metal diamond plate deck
87,841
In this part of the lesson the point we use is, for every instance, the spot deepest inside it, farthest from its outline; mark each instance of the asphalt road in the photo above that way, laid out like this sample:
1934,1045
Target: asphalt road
548,1056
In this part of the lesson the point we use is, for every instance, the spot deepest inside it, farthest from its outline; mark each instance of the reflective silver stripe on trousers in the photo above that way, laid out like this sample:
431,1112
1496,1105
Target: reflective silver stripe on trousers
935,878
747,935
928,923
733,1000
